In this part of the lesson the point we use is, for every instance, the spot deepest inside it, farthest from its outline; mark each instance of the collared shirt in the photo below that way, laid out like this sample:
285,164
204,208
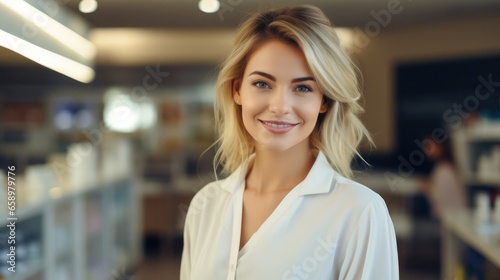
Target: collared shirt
326,227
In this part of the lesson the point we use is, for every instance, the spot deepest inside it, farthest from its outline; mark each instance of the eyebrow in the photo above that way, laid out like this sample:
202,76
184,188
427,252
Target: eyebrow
271,77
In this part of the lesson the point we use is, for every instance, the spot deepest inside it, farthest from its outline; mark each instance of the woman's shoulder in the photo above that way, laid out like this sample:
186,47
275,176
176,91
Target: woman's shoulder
355,192
208,196
360,205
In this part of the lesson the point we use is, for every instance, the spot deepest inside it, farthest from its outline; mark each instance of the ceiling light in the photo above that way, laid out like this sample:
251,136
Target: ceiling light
209,6
47,58
87,6
52,27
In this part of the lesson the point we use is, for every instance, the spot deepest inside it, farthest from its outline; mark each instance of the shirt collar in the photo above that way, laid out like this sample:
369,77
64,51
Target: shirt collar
320,178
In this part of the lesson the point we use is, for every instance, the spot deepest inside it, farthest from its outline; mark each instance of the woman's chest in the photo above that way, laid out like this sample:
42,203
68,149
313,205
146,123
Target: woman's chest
256,210
295,233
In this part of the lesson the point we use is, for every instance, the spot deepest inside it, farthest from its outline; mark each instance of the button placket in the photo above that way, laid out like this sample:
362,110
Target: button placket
235,238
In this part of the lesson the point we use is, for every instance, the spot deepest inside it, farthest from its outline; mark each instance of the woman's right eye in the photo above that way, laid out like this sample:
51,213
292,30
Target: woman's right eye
260,84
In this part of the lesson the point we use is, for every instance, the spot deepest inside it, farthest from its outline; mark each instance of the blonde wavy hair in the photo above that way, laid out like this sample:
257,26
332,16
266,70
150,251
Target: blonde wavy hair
338,131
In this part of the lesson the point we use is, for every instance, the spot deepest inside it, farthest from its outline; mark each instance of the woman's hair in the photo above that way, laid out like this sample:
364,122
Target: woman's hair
338,131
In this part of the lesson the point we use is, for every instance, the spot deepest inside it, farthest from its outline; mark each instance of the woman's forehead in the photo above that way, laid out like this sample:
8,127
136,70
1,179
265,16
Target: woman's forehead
280,60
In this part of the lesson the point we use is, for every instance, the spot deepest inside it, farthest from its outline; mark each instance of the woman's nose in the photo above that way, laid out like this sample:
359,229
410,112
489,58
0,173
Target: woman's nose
280,102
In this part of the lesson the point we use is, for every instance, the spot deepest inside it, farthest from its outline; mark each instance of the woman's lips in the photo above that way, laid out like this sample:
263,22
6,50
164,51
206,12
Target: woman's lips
278,127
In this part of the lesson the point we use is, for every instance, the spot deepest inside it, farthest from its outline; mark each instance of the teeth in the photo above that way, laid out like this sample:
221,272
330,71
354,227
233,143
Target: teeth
278,125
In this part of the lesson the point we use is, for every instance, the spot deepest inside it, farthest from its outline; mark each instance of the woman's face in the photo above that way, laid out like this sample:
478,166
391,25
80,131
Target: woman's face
279,97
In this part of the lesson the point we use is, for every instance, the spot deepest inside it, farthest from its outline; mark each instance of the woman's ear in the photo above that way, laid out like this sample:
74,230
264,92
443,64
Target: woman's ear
236,91
324,106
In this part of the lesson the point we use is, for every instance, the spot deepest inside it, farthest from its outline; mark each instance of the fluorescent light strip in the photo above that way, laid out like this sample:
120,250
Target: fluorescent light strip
47,58
52,27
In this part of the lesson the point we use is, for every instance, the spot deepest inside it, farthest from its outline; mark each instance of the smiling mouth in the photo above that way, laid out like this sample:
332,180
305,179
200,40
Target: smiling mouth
278,124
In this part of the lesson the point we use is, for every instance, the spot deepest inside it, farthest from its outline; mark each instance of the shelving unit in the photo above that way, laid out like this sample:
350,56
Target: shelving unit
469,144
89,233
459,229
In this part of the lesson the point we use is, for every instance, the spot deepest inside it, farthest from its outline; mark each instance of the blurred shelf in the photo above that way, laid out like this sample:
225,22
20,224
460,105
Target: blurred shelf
485,182
23,213
67,250
34,267
387,182
484,238
470,145
179,186
29,210
491,133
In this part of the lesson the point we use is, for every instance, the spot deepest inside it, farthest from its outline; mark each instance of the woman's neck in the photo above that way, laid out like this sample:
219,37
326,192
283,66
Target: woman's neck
279,171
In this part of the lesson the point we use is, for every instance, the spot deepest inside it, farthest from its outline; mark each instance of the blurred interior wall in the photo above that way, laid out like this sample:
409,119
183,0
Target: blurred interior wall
472,36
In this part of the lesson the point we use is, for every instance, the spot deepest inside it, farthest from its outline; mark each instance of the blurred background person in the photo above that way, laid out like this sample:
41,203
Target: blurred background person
444,187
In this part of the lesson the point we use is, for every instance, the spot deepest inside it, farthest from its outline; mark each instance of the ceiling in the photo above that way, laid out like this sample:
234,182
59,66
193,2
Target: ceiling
184,14
135,33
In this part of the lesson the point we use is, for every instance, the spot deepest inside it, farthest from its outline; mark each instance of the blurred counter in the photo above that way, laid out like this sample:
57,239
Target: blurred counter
459,229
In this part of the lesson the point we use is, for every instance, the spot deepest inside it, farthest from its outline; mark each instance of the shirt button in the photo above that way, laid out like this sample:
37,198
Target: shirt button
232,268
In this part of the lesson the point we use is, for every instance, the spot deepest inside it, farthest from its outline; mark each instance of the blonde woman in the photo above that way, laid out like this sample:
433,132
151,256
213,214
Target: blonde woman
286,111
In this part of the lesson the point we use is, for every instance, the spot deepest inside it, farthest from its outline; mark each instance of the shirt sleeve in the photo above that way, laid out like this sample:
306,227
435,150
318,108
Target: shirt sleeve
371,250
185,271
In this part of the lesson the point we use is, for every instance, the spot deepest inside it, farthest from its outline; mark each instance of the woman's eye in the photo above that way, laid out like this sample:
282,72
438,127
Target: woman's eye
264,85
260,84
304,88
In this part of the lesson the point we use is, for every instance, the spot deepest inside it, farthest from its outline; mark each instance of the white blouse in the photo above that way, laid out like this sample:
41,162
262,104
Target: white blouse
327,227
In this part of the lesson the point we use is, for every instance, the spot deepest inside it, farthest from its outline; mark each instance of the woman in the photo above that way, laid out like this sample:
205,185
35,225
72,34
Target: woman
286,112
445,189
